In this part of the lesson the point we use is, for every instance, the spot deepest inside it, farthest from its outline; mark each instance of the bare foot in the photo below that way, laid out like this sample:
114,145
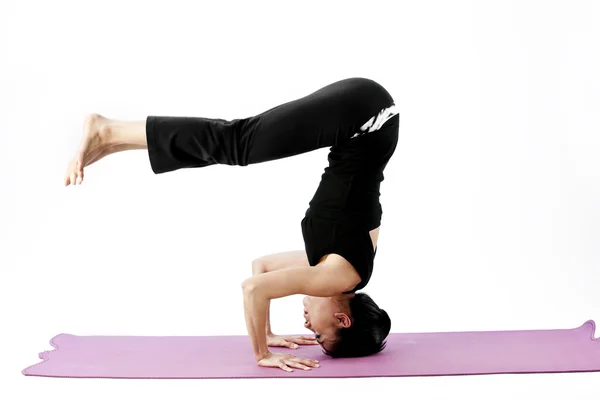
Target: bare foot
94,143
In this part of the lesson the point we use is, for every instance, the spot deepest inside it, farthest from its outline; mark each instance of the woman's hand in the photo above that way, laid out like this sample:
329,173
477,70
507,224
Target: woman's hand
289,341
286,361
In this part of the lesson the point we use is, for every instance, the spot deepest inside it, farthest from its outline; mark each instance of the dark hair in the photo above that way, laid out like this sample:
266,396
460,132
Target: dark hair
366,335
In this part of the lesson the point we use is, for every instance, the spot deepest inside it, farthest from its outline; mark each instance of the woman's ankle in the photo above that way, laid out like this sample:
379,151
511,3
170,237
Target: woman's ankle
124,133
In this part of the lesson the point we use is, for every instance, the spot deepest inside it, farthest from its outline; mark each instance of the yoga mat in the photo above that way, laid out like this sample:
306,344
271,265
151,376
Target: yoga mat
406,354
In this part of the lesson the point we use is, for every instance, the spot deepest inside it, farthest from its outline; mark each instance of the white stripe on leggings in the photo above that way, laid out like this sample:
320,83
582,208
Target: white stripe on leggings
377,121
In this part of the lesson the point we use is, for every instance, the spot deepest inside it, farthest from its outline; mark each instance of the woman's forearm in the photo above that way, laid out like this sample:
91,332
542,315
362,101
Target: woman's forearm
257,270
268,324
256,308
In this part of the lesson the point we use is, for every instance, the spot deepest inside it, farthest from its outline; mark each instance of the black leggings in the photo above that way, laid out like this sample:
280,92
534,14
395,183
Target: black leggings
335,115
327,117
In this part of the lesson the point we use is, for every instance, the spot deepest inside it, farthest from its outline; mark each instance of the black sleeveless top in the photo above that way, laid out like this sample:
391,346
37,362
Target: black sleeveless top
346,206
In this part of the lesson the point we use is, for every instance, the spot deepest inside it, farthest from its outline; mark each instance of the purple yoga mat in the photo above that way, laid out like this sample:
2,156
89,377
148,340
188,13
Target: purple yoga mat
406,354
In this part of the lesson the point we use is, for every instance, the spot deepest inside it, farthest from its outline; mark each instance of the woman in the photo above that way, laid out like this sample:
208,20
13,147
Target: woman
358,119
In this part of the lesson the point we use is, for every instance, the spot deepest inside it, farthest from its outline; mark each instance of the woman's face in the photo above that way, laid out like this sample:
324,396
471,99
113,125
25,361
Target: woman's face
323,316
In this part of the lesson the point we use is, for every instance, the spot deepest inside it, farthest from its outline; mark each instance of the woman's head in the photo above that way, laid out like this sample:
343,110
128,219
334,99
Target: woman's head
348,325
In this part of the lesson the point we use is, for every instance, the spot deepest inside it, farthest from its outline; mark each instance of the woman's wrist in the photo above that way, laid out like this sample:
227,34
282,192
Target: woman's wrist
262,356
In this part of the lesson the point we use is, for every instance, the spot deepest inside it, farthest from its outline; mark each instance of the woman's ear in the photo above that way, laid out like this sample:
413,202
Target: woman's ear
342,320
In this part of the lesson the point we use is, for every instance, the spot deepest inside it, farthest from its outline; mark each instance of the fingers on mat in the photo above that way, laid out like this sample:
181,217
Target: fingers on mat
297,365
285,367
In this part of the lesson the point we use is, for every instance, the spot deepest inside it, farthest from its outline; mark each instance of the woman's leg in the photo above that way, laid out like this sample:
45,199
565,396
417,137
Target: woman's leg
330,116
327,117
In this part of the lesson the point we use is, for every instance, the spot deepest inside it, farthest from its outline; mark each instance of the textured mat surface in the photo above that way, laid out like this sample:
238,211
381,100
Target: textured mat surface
406,354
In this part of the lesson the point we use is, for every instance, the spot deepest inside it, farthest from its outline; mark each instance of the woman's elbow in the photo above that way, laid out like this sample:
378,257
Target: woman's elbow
248,285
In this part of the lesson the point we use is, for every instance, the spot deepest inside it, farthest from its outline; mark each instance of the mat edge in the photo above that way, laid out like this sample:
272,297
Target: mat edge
593,332
44,355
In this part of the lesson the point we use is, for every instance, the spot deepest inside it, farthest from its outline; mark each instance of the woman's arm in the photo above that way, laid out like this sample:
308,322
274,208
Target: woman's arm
255,311
261,267
260,289
257,269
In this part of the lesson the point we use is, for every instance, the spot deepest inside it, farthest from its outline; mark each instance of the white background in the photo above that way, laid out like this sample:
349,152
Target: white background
490,202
